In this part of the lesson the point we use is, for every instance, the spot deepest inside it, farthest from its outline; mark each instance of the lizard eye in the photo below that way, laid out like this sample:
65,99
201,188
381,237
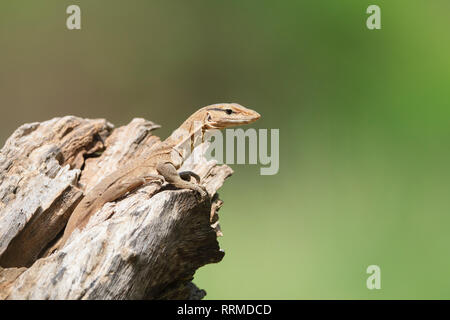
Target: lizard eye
229,111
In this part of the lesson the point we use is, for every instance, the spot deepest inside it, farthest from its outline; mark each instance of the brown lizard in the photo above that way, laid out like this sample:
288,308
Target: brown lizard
162,164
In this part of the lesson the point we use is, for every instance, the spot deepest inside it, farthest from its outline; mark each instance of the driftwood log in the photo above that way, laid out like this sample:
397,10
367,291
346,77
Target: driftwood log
146,245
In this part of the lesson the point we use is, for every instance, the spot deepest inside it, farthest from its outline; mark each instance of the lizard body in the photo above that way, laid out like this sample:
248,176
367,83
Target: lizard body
162,164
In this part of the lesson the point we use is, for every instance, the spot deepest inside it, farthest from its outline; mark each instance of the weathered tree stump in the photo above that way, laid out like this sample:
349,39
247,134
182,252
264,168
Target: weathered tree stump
146,245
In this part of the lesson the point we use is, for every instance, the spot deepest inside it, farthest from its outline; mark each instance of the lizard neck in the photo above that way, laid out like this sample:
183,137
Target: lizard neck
188,136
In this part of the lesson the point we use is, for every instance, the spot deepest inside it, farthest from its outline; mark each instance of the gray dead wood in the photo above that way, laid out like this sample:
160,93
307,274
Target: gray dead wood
146,245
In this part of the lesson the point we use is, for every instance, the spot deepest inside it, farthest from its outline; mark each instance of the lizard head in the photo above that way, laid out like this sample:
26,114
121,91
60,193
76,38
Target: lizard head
224,115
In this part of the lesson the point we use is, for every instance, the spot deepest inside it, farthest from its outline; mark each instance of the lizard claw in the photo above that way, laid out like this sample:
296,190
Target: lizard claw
201,191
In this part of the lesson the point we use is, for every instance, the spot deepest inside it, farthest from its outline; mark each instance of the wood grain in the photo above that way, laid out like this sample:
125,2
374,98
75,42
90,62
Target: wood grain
146,245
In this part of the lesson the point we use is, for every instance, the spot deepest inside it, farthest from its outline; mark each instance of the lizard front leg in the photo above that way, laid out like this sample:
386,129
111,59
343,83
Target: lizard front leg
186,175
170,174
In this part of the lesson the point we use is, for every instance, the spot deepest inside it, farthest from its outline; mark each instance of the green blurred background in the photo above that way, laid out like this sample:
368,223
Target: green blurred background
364,119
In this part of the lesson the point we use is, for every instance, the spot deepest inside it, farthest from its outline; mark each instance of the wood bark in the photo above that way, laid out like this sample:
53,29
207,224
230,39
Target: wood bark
146,245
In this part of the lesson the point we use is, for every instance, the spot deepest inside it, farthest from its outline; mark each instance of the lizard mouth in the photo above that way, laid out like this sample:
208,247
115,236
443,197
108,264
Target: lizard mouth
231,122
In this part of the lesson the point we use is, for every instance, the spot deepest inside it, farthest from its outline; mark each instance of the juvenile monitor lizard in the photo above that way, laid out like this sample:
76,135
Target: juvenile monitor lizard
162,164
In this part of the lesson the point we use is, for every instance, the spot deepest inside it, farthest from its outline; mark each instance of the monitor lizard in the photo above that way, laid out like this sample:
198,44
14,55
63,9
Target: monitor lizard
161,165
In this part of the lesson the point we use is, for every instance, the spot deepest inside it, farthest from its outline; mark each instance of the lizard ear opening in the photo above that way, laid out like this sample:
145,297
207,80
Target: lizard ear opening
209,122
